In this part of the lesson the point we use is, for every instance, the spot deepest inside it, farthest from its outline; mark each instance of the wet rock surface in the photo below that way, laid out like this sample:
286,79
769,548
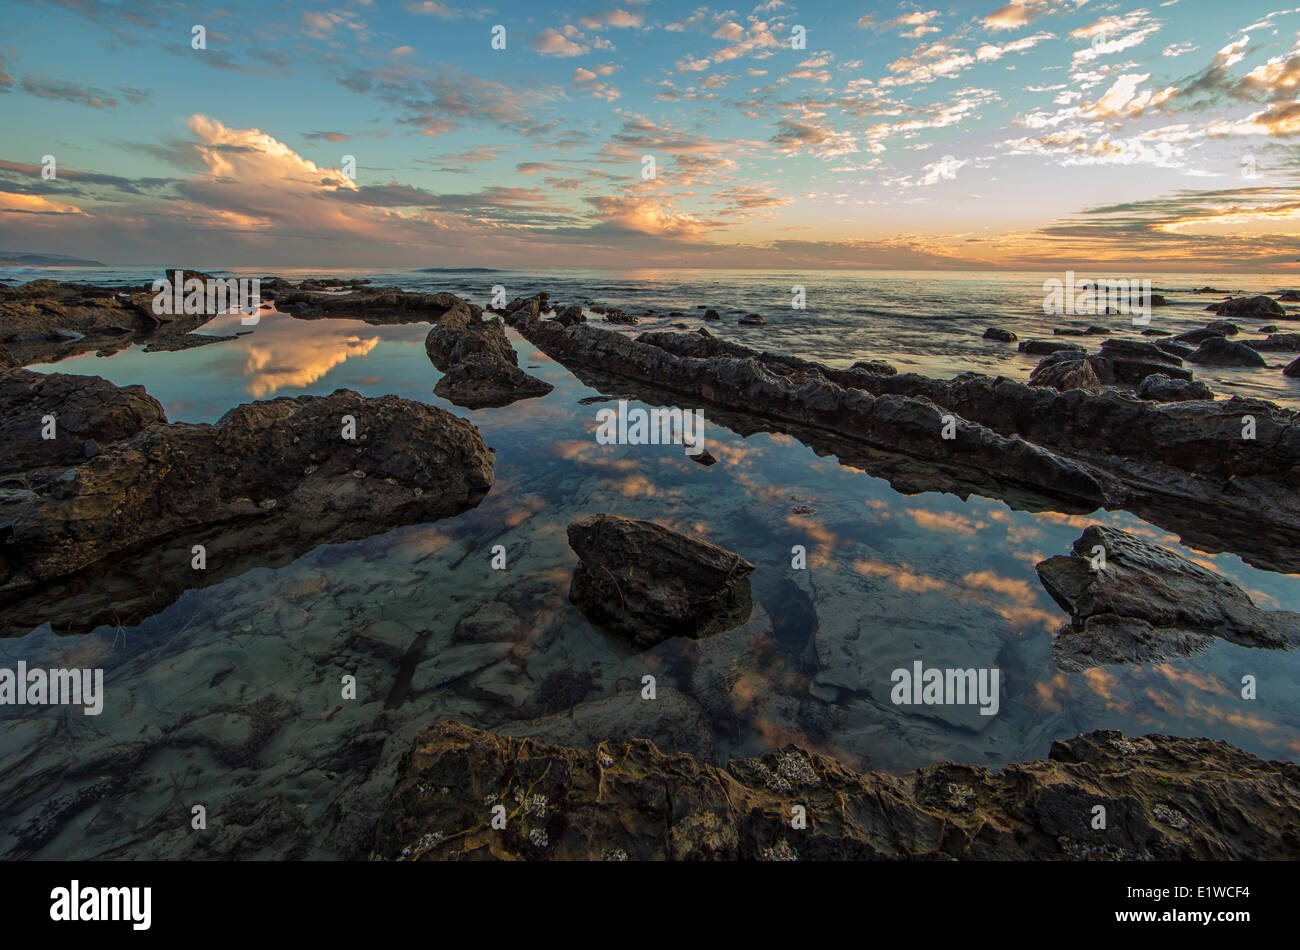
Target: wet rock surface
1257,306
480,367
112,535
43,321
1167,798
647,583
1132,601
1183,465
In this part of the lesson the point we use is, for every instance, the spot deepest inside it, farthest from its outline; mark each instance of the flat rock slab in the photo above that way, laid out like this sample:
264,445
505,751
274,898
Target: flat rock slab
648,583
1166,798
1144,603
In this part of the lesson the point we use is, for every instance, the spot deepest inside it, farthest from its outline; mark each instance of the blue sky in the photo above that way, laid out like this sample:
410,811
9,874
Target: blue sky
1036,133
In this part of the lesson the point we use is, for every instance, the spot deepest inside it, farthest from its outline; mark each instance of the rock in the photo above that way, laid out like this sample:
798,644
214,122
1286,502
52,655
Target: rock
571,315
647,583
1003,336
875,367
751,320
1270,328
1292,369
1222,328
1148,603
1291,296
674,722
477,384
1197,337
1183,466
1046,347
1160,388
268,482
1257,306
1216,351
617,316
1287,342
45,321
85,408
1153,332
624,800
1066,374
1068,331
711,314
1132,361
1175,349
480,367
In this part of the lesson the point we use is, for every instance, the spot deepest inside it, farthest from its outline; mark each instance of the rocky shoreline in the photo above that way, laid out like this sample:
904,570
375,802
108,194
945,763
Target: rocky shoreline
1160,798
1183,465
101,520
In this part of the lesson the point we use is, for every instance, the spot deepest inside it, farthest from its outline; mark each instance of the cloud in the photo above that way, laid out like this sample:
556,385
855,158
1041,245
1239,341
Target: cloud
552,42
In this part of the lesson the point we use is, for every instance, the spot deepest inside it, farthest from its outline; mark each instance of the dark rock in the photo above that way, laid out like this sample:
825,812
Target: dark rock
1175,349
647,583
1183,466
1045,347
477,384
1065,375
1170,799
752,320
268,482
1197,337
1287,342
712,315
1257,306
1292,369
1132,361
1270,328
617,316
1160,388
480,367
1149,603
571,315
1216,351
1291,296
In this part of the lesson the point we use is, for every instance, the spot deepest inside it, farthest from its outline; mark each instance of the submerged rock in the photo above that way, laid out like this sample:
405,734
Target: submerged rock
751,320
1171,798
1003,336
1133,601
648,583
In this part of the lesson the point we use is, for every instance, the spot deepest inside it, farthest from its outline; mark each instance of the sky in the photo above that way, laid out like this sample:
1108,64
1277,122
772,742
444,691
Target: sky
1055,134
